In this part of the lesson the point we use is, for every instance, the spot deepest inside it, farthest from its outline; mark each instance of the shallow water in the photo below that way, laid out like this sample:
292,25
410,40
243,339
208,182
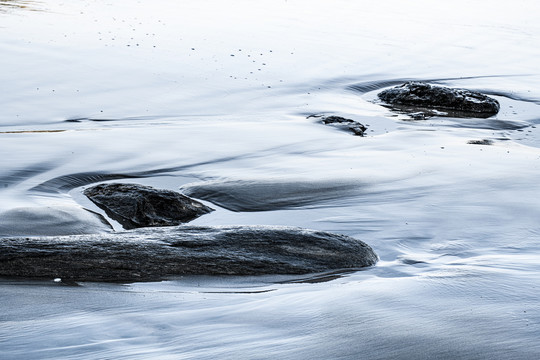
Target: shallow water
213,98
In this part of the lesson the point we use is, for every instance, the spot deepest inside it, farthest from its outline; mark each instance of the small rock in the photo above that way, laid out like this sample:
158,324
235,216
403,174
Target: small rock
135,206
420,115
480,142
346,124
422,95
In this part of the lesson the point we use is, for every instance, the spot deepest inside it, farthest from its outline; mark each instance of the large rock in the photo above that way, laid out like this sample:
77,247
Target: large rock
158,253
423,95
136,206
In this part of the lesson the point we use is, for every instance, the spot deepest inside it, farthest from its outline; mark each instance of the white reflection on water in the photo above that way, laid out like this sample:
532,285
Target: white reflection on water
213,97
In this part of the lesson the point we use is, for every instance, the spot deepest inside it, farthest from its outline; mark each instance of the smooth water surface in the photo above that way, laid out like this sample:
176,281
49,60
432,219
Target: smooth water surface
213,98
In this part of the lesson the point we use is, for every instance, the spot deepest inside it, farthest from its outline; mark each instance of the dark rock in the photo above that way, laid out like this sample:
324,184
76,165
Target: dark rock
158,253
480,142
136,206
345,124
422,95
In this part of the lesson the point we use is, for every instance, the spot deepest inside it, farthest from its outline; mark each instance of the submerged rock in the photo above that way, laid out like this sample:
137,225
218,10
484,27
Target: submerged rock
345,124
265,195
49,221
134,205
154,254
422,95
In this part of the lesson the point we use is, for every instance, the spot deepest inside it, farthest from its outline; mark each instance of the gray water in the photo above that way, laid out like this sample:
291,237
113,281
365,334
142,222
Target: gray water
212,98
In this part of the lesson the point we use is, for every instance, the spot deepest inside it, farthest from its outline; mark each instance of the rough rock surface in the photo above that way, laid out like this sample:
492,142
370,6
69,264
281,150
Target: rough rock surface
158,253
423,95
134,205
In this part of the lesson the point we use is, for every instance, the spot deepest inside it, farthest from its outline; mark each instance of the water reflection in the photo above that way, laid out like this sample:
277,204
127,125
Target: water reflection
10,5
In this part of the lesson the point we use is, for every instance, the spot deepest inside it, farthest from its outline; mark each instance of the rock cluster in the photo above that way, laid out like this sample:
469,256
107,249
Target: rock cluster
150,253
